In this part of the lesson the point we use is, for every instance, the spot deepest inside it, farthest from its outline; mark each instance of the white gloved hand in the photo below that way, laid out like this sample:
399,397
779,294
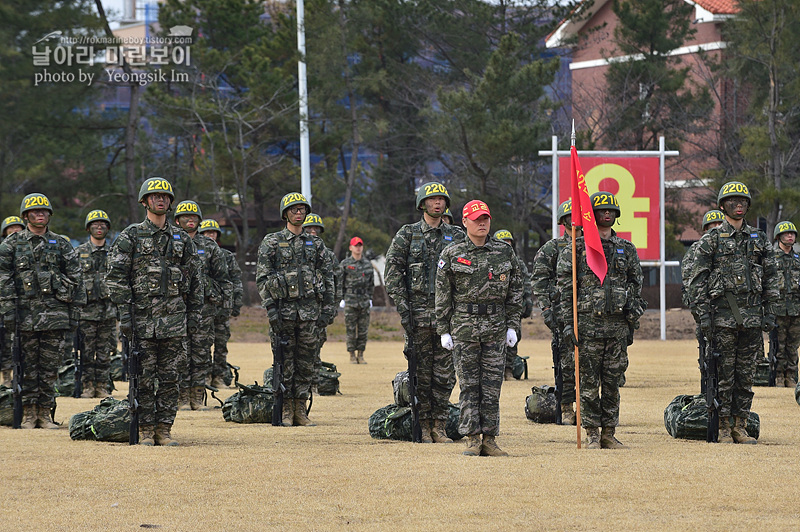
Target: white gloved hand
447,341
511,338
370,303
341,303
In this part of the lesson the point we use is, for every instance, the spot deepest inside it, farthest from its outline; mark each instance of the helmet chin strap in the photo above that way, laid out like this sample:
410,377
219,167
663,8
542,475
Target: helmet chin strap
434,214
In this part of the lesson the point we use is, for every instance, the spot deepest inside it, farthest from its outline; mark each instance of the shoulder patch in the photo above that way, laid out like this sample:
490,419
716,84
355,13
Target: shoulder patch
54,241
309,242
441,263
753,235
462,260
201,252
176,236
448,237
620,251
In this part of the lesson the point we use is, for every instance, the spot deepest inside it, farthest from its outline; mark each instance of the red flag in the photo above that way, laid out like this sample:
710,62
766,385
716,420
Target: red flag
583,216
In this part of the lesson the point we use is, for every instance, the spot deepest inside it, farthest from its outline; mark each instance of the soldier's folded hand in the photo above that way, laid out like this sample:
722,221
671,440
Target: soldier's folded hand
274,319
768,322
370,303
511,337
447,341
705,325
235,312
569,335
341,303
549,319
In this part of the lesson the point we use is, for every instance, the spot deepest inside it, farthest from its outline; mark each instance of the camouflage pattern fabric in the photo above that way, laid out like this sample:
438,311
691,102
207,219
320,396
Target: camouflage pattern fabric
222,320
358,282
393,422
161,360
686,417
540,405
356,320
65,380
323,332
527,309
402,395
739,350
788,313
6,406
251,404
436,375
328,379
108,421
5,351
470,275
99,343
788,342
41,352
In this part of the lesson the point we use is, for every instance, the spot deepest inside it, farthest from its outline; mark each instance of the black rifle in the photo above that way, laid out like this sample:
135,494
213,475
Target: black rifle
278,389
411,356
555,346
134,370
77,356
18,367
773,356
701,346
126,348
712,381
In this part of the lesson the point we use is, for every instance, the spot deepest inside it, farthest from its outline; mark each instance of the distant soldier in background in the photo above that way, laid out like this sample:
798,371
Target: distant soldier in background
41,286
544,285
217,291
222,319
787,307
98,324
11,224
527,302
411,282
447,216
358,282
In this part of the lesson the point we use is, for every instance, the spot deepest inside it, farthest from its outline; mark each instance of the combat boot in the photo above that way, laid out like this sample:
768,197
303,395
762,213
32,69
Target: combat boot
360,357
196,397
43,420
425,426
28,417
101,390
607,439
567,414
593,438
724,431
789,380
183,399
88,390
438,433
508,374
473,445
353,359
146,435
163,437
490,447
739,432
218,382
287,413
6,377
300,414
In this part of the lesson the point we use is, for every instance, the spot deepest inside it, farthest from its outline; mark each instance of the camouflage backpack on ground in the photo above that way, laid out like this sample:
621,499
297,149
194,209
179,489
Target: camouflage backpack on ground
402,396
108,421
6,406
251,404
519,367
761,377
540,405
393,422
65,383
328,379
687,417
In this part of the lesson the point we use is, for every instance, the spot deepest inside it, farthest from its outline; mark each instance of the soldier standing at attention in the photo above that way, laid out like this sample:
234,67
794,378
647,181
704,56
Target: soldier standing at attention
411,282
447,216
544,285
294,276
478,305
41,286
358,282
788,304
222,319
217,290
527,302
98,318
734,286
12,224
607,315
154,279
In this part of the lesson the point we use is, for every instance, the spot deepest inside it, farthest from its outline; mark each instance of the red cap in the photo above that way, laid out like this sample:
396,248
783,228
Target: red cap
355,240
475,208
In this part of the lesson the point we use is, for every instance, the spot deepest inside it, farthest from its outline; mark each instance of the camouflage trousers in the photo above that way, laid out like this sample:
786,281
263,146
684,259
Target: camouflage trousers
479,366
41,358
435,374
298,366
788,342
99,341
5,354
356,321
738,349
566,353
197,363
511,352
222,333
602,363
161,360
323,337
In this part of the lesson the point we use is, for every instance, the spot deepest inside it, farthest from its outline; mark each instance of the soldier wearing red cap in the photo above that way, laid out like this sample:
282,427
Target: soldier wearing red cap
358,281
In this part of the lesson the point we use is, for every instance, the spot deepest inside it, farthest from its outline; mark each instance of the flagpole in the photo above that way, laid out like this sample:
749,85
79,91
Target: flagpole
575,316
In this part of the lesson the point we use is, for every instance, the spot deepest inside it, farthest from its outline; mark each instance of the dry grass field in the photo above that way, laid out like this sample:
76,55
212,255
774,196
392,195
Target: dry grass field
333,476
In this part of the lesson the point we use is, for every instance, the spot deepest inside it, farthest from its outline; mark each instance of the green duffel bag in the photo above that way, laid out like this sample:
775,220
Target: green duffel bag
65,382
686,417
6,406
108,421
519,367
540,405
251,404
328,379
402,396
393,422
761,377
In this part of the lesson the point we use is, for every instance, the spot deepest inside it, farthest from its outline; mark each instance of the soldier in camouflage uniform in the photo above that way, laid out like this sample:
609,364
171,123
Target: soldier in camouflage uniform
12,224
314,225
527,302
358,282
545,288
294,276
734,287
479,304
411,282
154,279
98,323
217,292
608,313
41,286
447,216
787,308
220,374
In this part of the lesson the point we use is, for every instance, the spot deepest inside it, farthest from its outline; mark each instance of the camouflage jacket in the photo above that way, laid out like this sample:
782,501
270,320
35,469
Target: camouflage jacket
157,270
527,292
736,267
217,287
94,265
544,280
607,310
295,273
469,276
411,268
43,275
358,282
235,275
788,265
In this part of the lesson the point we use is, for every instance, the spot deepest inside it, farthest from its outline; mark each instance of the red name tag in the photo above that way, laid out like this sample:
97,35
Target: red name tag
351,267
462,260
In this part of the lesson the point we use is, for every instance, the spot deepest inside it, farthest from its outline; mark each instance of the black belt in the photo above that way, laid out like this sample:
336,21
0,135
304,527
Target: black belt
479,308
